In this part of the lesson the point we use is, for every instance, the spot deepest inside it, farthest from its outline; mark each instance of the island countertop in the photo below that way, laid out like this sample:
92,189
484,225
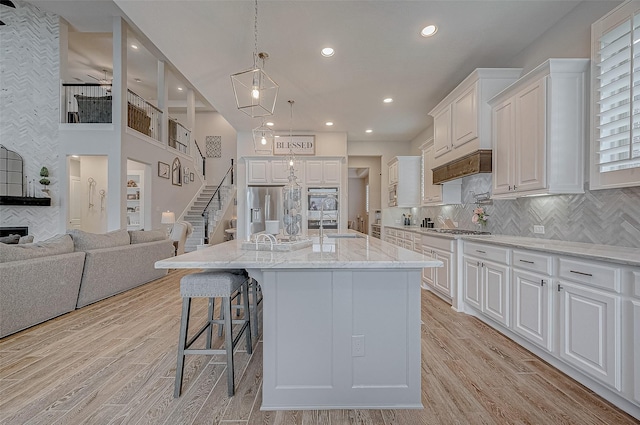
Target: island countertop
350,253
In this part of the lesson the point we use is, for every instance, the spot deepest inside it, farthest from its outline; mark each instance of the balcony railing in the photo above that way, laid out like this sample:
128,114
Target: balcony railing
179,136
143,116
86,103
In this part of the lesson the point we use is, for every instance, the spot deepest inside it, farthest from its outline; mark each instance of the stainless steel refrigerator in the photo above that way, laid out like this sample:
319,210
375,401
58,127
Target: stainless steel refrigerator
263,203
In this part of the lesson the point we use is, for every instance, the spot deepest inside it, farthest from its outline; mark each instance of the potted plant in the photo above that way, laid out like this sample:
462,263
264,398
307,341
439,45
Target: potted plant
44,173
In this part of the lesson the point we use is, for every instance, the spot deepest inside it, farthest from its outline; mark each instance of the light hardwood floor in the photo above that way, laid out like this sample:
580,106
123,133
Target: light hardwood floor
114,362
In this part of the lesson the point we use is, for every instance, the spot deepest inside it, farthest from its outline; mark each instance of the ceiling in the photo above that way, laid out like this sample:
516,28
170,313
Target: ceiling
379,52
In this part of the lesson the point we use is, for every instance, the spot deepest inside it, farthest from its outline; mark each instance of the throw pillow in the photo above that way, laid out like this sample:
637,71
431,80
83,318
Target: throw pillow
26,239
11,239
142,236
61,244
85,241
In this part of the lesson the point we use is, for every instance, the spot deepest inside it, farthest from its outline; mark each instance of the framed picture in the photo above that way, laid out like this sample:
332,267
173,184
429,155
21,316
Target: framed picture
300,145
176,172
163,170
191,176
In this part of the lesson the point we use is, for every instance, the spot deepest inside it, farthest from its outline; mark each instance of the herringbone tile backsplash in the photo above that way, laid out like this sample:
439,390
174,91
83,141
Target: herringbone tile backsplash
610,217
29,108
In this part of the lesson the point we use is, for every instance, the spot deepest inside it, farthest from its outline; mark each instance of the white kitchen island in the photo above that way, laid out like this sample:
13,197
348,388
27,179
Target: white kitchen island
341,330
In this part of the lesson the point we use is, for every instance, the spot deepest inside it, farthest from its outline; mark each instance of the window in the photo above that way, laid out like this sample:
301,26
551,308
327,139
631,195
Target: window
615,159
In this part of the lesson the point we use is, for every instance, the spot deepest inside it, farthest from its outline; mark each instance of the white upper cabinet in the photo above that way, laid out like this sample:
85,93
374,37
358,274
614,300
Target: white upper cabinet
615,146
322,172
259,171
462,120
407,178
538,131
437,194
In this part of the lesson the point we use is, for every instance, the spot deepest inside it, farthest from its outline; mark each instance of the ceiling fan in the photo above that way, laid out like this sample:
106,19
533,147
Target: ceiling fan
105,82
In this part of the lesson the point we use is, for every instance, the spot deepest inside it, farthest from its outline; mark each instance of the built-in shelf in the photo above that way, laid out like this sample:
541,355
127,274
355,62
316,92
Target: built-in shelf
25,200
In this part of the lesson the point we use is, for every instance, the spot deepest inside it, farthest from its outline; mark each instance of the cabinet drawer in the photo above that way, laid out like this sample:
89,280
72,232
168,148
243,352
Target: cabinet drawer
439,243
534,262
487,252
598,275
392,232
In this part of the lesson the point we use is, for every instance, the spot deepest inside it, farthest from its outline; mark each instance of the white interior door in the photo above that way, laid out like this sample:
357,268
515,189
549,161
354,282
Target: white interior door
75,202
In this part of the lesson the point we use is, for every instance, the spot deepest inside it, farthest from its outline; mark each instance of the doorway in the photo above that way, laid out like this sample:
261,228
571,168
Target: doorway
358,189
88,180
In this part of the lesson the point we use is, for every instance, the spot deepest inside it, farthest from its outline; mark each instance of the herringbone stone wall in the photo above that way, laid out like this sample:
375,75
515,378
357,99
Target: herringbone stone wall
29,108
610,217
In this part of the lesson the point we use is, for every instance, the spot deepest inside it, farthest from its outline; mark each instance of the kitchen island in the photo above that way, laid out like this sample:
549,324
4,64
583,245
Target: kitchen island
341,329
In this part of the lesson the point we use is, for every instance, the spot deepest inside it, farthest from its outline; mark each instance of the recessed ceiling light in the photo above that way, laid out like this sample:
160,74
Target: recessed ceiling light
329,123
137,80
429,30
75,156
270,124
276,135
388,100
327,52
368,130
179,88
134,47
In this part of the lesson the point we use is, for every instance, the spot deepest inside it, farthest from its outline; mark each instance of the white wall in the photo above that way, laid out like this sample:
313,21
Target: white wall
213,124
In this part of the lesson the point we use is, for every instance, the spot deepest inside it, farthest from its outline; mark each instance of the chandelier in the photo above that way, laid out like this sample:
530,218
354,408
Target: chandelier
254,90
263,138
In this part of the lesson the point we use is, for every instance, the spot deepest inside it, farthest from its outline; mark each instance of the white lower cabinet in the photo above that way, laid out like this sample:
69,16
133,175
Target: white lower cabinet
589,331
532,297
532,307
440,279
486,280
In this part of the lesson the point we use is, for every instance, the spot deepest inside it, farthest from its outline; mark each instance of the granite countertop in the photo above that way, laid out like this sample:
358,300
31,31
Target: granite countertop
350,253
615,254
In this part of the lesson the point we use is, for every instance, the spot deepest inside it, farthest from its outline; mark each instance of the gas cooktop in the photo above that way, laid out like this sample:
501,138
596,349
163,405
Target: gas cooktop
459,231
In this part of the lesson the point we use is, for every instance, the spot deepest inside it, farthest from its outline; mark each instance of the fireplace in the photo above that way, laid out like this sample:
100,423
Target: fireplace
14,230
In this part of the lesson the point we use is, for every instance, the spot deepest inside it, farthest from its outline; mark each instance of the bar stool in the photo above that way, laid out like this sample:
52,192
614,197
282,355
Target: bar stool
224,284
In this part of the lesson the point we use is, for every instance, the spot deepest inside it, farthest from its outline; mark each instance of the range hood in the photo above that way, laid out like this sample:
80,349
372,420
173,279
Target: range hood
474,163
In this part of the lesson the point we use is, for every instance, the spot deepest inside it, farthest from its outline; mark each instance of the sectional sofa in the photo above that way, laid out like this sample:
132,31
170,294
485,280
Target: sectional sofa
42,280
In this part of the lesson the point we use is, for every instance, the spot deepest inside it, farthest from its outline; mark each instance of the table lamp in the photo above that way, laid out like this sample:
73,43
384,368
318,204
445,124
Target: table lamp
168,218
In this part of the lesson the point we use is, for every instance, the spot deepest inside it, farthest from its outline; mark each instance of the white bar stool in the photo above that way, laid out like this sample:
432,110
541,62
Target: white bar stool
224,284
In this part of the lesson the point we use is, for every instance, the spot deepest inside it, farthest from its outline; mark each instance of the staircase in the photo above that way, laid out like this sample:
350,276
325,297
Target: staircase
194,215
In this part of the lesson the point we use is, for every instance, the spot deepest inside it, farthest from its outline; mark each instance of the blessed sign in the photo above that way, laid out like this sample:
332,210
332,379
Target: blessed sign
300,145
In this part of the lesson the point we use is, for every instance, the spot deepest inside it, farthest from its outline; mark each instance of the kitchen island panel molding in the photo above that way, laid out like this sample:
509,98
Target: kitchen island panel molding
310,358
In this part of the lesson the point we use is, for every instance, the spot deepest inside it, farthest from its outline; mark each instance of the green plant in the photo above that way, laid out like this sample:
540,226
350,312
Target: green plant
44,173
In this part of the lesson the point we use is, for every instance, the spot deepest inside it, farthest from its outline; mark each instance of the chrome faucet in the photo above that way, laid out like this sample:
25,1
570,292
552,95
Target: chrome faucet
322,214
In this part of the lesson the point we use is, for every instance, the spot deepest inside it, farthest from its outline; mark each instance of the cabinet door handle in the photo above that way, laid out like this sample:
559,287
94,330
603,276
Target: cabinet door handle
478,263
543,282
582,273
526,261
514,187
509,187
481,252
560,288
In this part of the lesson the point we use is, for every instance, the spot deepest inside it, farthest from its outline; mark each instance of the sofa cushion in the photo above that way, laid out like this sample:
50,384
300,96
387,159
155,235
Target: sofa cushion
142,236
85,241
26,239
61,244
11,239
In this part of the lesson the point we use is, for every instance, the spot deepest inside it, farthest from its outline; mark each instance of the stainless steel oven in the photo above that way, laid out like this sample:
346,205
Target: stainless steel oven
322,208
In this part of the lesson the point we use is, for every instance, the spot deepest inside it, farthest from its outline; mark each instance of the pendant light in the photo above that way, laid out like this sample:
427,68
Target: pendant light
292,195
263,139
255,91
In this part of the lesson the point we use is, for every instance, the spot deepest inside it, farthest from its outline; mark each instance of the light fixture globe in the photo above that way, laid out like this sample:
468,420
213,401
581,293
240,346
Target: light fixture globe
263,139
256,93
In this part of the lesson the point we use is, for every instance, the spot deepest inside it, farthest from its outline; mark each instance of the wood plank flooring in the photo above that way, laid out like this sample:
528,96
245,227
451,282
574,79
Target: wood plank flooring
114,362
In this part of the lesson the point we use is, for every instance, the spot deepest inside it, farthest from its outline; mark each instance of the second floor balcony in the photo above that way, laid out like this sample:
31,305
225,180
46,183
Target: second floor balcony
91,103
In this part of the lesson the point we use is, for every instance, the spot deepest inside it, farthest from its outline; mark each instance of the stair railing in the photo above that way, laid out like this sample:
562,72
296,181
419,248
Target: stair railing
203,160
215,203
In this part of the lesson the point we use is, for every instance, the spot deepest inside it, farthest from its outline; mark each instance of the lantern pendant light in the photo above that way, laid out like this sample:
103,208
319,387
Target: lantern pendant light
263,139
254,90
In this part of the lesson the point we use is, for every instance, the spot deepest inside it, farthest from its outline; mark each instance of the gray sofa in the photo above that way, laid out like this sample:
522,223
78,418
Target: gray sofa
43,280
